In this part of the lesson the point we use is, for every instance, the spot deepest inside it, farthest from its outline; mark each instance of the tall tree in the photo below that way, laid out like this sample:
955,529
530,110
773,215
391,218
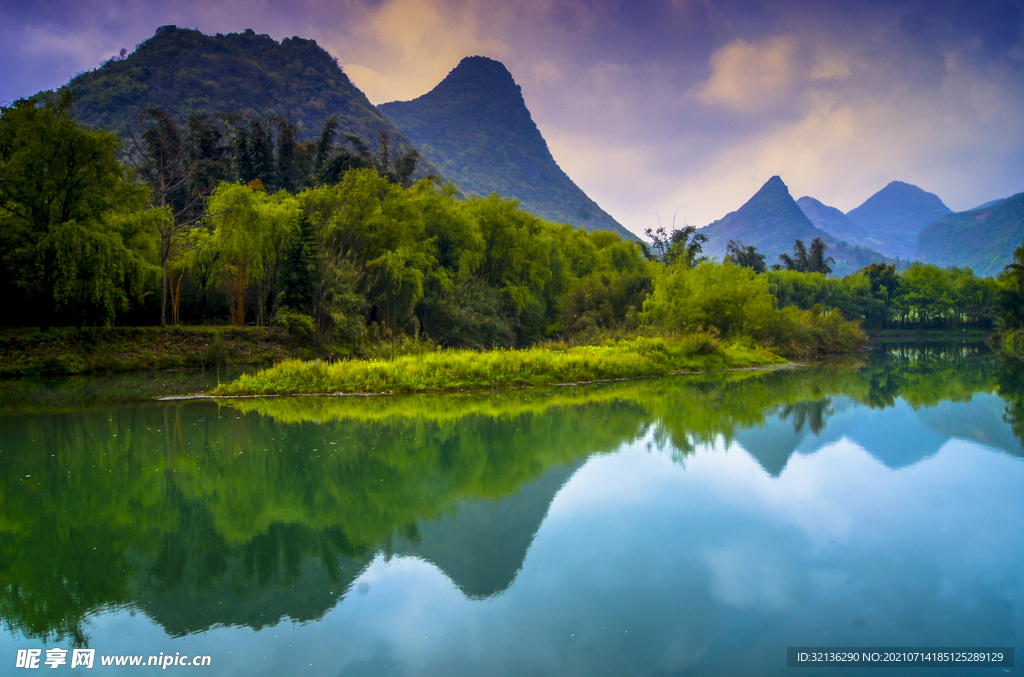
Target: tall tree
179,178
70,233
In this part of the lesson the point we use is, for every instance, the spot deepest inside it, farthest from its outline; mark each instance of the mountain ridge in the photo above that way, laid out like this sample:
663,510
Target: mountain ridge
476,127
185,71
982,238
771,221
893,217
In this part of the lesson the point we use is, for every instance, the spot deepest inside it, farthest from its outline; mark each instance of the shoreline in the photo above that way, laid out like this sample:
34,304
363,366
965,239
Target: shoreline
203,396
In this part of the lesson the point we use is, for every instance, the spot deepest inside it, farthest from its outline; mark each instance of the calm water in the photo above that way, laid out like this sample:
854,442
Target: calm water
693,526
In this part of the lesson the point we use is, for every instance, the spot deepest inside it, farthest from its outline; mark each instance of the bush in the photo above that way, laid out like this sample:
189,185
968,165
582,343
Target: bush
296,324
216,353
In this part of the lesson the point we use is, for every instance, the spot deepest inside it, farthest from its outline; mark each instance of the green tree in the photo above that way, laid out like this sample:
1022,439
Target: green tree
745,256
1011,293
66,226
680,246
252,231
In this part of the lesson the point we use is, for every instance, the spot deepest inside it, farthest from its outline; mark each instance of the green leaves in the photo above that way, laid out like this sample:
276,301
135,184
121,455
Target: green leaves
69,243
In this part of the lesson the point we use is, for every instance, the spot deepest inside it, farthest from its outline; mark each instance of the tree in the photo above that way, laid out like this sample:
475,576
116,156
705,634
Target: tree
680,246
745,256
71,233
798,261
252,231
818,260
802,262
1011,295
161,158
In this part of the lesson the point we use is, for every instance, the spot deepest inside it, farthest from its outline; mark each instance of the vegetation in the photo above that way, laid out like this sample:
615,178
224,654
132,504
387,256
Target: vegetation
184,73
1011,307
982,238
74,243
459,369
91,350
770,222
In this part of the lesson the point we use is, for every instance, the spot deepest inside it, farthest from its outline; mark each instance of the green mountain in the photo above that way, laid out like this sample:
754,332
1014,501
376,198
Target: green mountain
983,238
771,221
184,71
894,216
475,126
833,222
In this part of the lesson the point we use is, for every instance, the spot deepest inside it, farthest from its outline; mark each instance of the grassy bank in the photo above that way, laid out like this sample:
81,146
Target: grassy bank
72,351
461,369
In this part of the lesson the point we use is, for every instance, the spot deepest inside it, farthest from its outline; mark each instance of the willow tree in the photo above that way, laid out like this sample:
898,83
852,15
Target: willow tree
73,238
252,231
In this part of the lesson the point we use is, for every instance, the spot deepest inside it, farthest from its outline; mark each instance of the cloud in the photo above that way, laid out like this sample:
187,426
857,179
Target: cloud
405,47
749,77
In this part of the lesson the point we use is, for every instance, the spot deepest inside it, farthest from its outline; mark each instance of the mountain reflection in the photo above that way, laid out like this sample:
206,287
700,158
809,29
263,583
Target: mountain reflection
245,513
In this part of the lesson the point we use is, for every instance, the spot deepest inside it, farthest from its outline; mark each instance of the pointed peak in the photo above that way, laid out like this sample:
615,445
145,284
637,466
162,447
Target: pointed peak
772,188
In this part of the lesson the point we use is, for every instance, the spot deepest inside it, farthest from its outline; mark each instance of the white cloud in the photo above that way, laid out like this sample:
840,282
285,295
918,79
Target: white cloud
751,77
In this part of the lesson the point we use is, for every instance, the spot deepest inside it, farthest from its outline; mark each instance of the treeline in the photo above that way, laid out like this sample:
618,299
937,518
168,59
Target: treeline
225,219
922,296
219,220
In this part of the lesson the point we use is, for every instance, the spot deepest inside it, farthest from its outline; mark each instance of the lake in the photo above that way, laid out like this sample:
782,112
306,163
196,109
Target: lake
684,525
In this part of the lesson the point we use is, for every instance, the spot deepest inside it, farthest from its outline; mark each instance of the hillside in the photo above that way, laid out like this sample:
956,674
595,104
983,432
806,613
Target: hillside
983,238
184,71
893,217
833,222
476,128
771,221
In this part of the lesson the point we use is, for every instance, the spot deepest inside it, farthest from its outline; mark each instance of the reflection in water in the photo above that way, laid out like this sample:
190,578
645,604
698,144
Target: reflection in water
855,507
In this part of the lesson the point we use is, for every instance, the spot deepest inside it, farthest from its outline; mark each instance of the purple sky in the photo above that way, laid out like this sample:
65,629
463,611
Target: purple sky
651,107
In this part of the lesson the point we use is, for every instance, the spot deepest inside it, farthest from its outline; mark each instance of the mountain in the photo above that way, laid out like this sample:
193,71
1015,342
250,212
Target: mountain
983,238
894,216
184,71
771,221
833,222
475,126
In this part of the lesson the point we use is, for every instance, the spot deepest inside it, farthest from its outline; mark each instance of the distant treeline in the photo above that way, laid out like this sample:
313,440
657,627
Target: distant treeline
225,219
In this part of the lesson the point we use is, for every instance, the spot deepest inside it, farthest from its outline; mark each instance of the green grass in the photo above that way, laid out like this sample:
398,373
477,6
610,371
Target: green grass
463,369
69,351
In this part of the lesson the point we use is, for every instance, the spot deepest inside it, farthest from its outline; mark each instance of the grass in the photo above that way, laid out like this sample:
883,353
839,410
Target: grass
68,351
465,369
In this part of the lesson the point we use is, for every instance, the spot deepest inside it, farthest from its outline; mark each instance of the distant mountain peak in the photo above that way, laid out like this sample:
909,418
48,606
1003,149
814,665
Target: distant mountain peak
476,127
895,215
772,221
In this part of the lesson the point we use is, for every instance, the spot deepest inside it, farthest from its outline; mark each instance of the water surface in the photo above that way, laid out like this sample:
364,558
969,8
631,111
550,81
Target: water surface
693,526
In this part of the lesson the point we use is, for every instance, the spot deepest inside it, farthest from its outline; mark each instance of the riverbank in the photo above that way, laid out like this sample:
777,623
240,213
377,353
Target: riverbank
69,351
465,369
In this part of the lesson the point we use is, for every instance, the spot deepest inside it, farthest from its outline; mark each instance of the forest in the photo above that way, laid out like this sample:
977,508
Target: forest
227,219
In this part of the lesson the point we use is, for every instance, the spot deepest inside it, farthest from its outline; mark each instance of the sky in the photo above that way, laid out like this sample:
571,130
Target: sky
663,111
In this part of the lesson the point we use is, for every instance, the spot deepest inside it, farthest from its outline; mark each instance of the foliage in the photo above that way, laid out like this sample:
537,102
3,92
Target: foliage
250,232
724,297
803,262
681,246
455,369
185,72
982,239
72,239
745,256
1011,293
